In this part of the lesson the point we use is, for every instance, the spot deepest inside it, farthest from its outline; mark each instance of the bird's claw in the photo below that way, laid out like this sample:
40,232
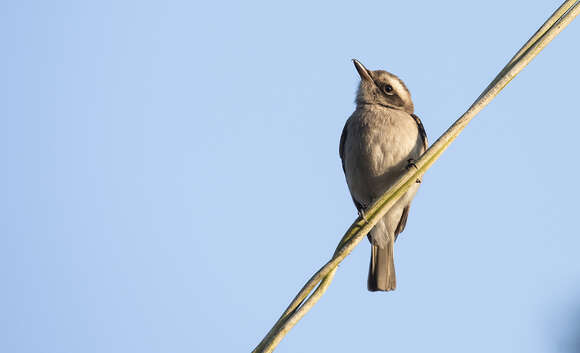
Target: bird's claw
412,163
361,214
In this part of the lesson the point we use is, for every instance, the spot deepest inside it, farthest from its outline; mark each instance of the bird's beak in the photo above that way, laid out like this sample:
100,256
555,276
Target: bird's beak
362,71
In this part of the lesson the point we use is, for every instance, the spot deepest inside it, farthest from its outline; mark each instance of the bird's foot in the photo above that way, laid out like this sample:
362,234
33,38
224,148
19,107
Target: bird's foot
361,214
412,163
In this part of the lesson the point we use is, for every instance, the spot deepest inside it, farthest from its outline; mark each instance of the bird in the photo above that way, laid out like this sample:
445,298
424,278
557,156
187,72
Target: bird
379,142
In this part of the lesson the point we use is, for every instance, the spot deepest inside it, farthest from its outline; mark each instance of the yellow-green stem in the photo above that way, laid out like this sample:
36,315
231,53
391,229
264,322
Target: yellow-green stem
300,305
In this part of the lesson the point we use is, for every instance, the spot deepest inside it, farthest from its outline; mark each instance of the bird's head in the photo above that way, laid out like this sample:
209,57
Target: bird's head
382,88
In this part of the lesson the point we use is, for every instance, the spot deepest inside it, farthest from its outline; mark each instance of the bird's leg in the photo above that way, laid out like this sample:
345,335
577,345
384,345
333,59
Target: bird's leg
361,207
361,214
412,163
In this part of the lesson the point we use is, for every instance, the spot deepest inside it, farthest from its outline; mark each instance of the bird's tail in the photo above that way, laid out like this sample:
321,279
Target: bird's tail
382,268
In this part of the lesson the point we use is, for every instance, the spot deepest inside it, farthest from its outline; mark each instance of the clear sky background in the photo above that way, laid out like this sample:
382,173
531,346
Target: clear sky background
170,177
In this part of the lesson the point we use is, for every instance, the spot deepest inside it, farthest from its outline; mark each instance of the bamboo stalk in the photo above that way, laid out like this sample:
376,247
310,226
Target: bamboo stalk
543,29
300,305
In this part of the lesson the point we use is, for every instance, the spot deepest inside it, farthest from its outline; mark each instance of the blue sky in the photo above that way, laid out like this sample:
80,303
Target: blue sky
170,177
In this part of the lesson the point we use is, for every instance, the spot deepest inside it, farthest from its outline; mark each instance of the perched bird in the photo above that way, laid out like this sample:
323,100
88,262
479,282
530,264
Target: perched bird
380,140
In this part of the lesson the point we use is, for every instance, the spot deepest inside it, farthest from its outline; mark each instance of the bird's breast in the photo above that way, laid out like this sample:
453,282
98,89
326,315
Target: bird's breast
378,146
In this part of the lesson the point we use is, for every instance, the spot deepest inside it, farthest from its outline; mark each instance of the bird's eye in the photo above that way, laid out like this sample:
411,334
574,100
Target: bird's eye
388,89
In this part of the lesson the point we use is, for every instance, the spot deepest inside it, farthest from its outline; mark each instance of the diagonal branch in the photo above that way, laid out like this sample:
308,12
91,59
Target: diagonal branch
302,302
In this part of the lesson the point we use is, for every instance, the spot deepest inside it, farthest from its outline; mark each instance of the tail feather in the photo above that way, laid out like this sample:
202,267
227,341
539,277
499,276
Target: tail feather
382,269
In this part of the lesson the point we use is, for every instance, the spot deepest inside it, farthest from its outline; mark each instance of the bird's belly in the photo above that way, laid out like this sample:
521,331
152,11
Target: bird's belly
380,158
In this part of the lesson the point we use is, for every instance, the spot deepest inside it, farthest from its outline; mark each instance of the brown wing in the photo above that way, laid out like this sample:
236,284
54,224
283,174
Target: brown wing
341,145
405,215
357,204
421,131
402,222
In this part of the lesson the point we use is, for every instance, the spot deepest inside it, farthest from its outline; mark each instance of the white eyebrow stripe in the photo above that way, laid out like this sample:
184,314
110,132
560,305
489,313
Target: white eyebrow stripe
398,86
